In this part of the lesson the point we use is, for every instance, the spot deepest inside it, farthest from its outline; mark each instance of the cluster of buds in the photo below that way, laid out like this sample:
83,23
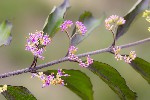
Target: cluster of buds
80,28
113,21
51,79
4,88
146,14
73,57
126,58
66,24
131,57
37,42
116,50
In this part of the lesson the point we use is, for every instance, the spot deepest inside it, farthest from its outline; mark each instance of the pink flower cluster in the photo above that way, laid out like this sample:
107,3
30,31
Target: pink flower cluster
66,24
113,21
51,79
37,42
87,63
129,58
126,58
81,29
73,57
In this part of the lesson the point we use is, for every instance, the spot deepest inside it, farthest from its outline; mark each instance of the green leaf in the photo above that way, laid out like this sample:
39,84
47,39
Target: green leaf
18,93
90,22
113,79
122,29
142,67
5,35
55,19
77,82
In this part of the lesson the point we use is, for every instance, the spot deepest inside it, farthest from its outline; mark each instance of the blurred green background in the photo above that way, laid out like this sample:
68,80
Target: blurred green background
29,15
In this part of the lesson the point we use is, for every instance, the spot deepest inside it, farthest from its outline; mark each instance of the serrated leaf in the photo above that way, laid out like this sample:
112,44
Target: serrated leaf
113,79
5,33
90,22
55,19
18,93
142,67
122,29
77,82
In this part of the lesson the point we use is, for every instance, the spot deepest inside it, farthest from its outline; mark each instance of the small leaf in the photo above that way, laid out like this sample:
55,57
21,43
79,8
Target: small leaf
77,82
18,93
113,79
90,22
5,33
122,29
55,19
142,67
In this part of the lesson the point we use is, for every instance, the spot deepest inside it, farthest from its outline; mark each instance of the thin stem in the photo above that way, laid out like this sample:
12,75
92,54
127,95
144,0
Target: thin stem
68,35
73,35
17,72
34,62
114,41
113,33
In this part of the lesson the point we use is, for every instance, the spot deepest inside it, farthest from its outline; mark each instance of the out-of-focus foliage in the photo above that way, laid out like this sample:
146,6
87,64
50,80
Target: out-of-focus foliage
122,29
5,33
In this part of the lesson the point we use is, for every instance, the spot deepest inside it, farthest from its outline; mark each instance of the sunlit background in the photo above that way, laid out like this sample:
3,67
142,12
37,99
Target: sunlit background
29,15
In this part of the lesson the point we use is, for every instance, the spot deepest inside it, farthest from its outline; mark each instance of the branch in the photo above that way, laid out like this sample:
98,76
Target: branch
17,72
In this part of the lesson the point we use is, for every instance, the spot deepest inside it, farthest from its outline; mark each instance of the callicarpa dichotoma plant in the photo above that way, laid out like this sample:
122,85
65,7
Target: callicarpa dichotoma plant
76,31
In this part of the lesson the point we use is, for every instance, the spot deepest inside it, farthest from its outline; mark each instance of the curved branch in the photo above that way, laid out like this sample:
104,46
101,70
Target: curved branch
17,72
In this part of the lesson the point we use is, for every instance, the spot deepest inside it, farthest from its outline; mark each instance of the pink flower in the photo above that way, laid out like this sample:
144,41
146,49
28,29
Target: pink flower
116,50
36,43
67,24
89,60
118,57
51,79
73,57
126,58
113,21
81,28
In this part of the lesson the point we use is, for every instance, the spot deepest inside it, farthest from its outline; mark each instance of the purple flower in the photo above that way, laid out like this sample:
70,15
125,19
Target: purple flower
87,63
45,40
32,38
36,43
81,28
83,64
89,60
72,49
51,79
73,57
38,53
61,73
67,24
